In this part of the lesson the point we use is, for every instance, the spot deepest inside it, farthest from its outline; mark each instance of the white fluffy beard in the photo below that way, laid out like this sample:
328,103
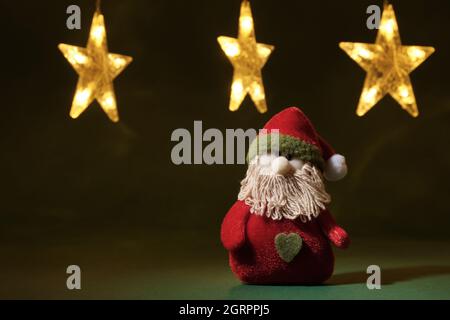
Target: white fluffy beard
300,194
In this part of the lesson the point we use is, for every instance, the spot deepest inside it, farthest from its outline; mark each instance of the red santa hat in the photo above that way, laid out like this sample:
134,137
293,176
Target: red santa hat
298,138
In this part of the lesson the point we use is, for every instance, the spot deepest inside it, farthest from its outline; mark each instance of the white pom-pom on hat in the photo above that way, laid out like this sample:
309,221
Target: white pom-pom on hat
335,168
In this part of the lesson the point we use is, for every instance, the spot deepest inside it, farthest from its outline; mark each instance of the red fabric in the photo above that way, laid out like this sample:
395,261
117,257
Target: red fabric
332,231
250,240
327,150
233,226
293,122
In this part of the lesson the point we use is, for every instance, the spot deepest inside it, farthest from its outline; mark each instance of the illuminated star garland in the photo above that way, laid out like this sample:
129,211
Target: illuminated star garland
248,58
388,65
97,69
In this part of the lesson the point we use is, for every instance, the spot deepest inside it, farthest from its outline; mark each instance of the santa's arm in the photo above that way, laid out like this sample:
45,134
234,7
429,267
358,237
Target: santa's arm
334,233
234,225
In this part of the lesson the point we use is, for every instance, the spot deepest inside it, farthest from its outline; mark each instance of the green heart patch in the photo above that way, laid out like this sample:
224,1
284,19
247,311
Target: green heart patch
288,245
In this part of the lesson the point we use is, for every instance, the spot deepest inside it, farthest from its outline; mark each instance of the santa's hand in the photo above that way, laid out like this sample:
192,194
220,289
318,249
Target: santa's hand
335,168
233,226
339,237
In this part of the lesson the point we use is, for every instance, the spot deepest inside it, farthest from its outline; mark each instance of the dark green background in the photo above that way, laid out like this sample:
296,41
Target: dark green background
107,197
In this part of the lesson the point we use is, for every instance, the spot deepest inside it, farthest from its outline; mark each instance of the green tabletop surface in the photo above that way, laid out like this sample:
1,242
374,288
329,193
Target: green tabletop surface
149,267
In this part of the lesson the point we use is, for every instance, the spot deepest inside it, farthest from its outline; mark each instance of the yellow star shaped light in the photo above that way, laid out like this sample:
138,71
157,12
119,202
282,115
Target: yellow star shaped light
96,69
248,58
388,65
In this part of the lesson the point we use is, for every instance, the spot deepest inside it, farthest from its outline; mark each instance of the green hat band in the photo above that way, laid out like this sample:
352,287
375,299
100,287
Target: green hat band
288,145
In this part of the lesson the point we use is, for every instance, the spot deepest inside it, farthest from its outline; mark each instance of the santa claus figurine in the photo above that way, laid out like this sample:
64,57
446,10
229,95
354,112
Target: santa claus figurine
279,231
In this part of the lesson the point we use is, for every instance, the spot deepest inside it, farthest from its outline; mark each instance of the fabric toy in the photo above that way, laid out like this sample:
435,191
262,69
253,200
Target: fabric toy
279,231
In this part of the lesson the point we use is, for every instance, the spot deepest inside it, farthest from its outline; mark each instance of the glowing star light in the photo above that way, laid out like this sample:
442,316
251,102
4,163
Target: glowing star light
388,65
248,58
96,69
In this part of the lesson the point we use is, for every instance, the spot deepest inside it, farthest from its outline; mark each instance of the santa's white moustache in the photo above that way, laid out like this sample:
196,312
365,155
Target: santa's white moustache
300,194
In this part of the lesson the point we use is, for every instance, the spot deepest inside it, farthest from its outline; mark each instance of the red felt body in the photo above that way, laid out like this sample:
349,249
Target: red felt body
250,240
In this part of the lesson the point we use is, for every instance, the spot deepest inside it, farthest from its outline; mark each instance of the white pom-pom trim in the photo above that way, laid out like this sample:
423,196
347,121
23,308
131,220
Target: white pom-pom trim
335,168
